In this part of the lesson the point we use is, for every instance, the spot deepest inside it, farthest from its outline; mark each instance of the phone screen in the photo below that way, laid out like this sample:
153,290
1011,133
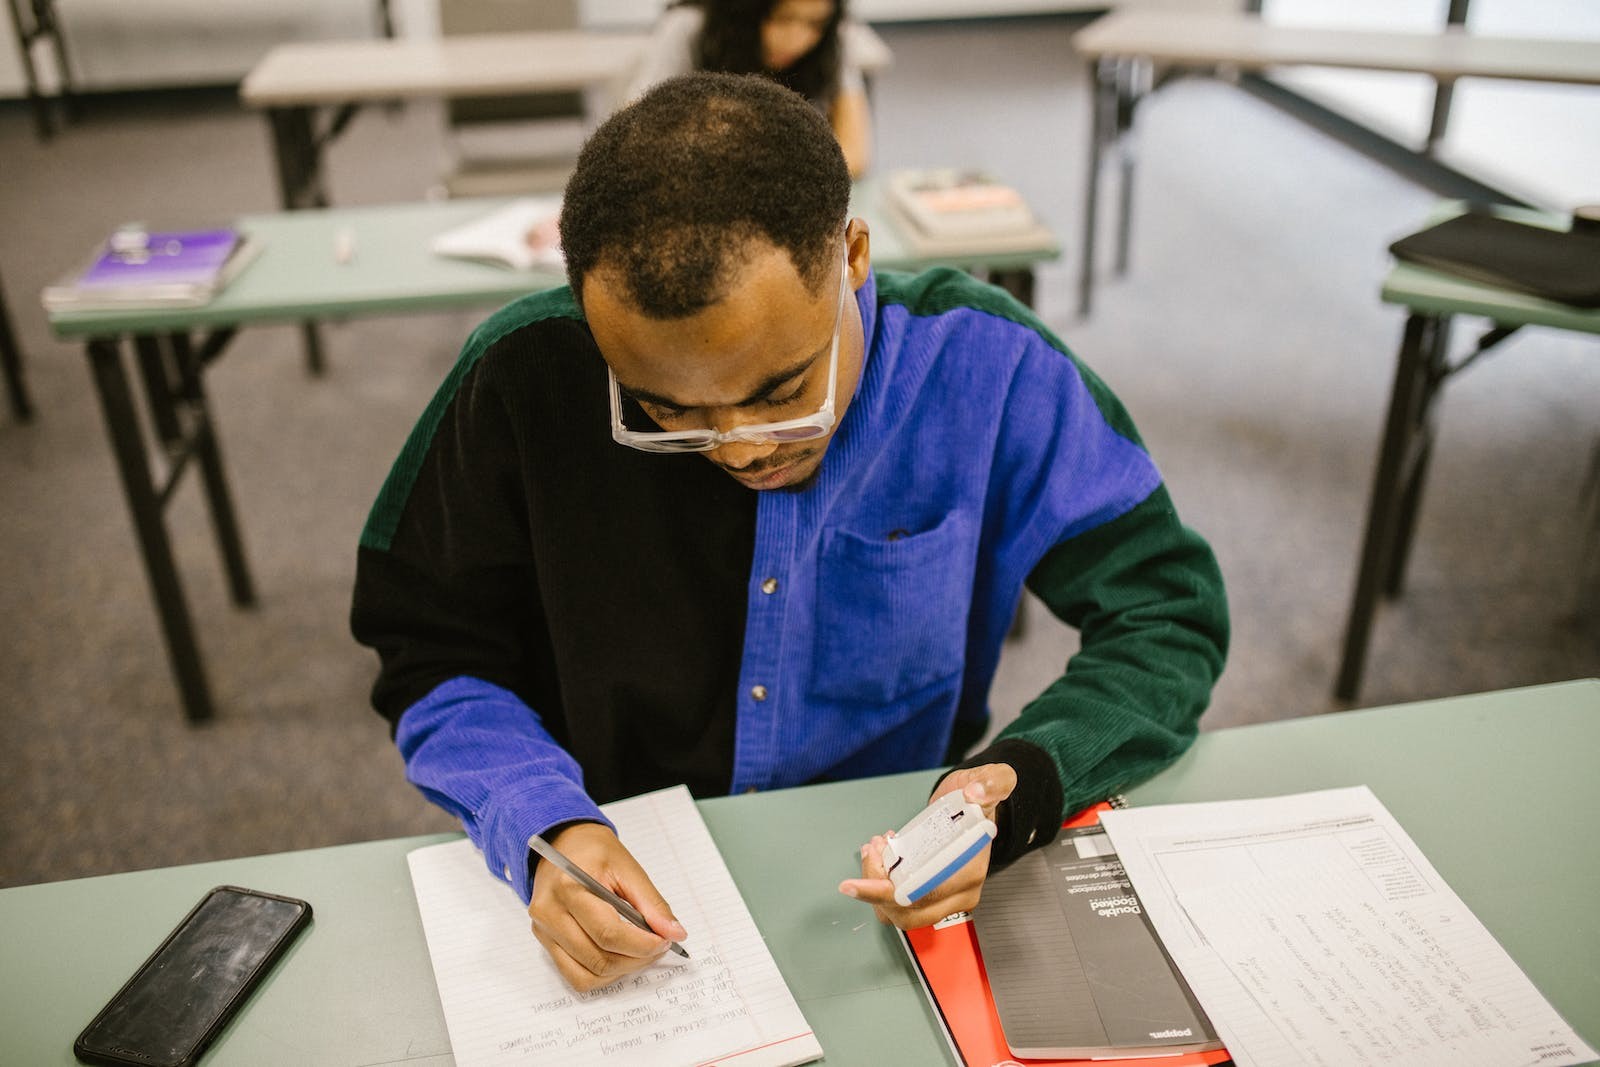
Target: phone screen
183,994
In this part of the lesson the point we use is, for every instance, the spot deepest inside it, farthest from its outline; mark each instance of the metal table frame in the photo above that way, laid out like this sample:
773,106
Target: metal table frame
1422,369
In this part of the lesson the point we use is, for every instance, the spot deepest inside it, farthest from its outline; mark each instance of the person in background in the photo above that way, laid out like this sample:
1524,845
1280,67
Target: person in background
804,45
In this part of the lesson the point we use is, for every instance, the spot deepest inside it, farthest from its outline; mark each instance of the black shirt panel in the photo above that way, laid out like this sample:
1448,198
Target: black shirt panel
603,585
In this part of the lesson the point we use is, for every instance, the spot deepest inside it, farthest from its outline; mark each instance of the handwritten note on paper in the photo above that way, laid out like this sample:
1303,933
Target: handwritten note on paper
504,1002
1313,931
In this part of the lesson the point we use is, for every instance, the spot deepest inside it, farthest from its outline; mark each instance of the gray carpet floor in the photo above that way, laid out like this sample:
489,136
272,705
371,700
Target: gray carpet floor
1248,341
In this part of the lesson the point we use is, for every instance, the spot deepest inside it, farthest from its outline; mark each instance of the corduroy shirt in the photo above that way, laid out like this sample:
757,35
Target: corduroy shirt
563,621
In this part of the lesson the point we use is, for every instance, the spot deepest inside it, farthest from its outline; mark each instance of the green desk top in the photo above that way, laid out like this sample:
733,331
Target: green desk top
1421,289
296,276
1497,790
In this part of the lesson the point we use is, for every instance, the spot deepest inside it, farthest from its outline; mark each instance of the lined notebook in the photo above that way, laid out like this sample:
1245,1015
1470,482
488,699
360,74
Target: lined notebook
504,1001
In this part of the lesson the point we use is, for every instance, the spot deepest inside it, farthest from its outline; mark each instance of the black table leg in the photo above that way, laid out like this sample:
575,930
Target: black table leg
1396,487
298,154
203,440
146,503
44,15
1129,90
11,363
1018,281
1102,119
43,126
1436,361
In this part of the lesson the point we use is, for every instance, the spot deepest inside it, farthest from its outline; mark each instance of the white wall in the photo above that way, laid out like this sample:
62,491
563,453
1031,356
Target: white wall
117,44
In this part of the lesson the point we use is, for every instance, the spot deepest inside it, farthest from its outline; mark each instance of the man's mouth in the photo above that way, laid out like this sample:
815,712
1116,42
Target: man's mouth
768,477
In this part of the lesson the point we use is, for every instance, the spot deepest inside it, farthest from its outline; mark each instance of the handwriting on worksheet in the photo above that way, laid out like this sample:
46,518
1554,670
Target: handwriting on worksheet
640,1012
505,1002
1314,931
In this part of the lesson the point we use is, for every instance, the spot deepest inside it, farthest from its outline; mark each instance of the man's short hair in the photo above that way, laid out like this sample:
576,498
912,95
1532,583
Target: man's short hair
670,190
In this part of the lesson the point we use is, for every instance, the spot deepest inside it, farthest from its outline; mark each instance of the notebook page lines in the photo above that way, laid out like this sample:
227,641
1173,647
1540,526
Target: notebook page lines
505,1002
1314,931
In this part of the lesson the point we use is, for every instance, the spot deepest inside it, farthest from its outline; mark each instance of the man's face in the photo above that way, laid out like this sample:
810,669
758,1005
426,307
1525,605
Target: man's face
759,355
791,29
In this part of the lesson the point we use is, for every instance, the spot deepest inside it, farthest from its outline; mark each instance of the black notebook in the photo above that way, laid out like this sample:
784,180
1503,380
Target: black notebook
1558,265
1075,967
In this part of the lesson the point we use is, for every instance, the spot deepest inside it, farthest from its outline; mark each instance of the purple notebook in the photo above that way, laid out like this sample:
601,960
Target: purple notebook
194,257
137,269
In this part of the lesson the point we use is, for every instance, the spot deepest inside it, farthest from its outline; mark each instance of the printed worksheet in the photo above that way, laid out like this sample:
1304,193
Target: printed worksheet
505,1002
1313,931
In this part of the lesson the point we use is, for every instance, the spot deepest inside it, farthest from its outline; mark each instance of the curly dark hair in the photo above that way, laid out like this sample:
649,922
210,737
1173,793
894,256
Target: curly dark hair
668,191
730,41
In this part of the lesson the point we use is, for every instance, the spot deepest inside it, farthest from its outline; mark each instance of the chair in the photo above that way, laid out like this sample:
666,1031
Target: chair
505,146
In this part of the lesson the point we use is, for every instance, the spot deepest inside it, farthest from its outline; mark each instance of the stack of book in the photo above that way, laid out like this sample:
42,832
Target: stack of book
137,268
1060,966
522,235
961,212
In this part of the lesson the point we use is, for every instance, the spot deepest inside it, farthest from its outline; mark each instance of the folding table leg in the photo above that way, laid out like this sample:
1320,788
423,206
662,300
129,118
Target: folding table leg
1130,90
224,523
1102,119
1019,282
1415,474
11,363
298,155
1395,488
146,504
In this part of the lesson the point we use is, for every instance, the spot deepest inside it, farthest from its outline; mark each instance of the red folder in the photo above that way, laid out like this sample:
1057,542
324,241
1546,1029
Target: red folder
952,973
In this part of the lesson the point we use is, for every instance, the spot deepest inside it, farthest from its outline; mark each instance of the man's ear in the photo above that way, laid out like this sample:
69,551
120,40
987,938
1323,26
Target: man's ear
858,240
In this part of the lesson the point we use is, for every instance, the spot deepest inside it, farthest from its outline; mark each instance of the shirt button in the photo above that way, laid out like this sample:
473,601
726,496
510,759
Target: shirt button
759,692
508,872
769,586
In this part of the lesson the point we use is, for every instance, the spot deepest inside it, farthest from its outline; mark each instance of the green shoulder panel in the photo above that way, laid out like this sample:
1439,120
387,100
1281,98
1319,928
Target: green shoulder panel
937,291
384,518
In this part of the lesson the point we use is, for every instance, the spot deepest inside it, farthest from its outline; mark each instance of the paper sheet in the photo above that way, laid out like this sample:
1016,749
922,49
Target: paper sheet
504,1001
522,235
1313,931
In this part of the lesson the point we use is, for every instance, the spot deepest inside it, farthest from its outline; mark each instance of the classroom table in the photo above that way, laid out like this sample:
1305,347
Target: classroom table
297,279
294,81
1124,48
1422,369
1496,789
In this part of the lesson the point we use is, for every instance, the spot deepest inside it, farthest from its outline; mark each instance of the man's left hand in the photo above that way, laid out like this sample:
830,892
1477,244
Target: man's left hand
987,785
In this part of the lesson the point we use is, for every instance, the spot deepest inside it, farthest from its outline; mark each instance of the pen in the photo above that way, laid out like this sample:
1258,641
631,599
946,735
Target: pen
579,875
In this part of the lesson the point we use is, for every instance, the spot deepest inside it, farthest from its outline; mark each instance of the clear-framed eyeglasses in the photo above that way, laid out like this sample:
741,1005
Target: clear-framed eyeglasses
808,428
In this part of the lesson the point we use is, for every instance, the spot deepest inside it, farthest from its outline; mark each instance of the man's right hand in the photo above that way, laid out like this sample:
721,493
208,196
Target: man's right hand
590,943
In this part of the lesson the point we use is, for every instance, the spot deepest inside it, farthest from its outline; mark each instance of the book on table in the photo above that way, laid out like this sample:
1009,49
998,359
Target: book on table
1060,965
522,235
950,211
1559,265
138,268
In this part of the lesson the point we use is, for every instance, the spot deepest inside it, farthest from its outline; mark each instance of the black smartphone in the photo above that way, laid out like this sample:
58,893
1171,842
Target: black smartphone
184,994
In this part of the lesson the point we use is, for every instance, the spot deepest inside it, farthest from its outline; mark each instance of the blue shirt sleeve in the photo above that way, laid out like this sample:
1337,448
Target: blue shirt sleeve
480,753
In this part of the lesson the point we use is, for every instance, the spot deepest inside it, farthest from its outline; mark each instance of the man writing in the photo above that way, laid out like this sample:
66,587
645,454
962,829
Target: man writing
735,510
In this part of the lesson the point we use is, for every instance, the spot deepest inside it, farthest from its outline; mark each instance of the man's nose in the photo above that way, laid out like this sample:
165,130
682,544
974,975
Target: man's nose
737,455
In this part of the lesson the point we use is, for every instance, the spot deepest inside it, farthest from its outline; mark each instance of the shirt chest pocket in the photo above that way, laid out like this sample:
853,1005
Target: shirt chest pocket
892,610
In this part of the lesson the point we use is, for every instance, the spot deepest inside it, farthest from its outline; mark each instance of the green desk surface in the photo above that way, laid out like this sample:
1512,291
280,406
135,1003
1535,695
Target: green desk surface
1497,789
296,276
1421,289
